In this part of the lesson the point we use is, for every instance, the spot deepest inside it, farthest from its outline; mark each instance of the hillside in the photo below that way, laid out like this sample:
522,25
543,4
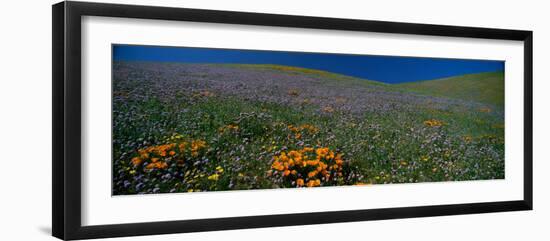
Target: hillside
180,127
310,72
487,88
483,87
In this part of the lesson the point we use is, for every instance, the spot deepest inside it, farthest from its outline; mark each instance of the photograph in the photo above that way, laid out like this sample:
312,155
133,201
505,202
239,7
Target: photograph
273,121
188,119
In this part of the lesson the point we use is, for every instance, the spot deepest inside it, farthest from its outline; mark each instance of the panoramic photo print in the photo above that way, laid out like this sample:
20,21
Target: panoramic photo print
203,119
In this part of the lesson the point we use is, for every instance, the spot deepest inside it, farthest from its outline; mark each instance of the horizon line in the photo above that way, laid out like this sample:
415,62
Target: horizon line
321,70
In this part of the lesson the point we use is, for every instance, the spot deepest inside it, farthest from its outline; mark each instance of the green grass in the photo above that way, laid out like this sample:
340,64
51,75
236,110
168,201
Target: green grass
386,146
486,88
325,75
392,151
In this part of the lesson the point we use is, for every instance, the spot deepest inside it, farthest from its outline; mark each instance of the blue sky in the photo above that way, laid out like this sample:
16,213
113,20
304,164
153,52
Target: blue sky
388,69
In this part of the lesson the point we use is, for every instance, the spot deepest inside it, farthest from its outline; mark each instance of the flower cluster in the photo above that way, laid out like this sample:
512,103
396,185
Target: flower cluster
160,156
302,129
328,109
308,167
216,175
293,92
228,128
433,123
485,110
310,128
196,147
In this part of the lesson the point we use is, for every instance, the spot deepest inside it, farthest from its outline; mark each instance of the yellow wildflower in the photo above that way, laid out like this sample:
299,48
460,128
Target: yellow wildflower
485,110
433,123
214,177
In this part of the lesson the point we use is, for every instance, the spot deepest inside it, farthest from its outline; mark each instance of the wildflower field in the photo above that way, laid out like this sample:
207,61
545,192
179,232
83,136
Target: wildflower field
210,127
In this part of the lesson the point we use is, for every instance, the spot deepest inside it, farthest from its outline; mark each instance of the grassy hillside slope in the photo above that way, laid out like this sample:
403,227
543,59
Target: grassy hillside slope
486,88
216,127
311,72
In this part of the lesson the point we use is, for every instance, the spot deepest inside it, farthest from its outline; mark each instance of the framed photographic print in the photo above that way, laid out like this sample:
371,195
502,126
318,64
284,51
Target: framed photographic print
170,120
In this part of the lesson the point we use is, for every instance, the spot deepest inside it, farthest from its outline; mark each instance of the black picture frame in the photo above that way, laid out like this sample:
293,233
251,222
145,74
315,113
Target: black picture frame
66,47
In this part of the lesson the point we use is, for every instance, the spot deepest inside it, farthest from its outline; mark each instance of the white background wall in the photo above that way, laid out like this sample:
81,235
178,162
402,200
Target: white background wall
25,119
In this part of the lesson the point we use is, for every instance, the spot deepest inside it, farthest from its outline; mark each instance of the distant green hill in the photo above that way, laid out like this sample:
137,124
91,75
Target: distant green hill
483,87
312,72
